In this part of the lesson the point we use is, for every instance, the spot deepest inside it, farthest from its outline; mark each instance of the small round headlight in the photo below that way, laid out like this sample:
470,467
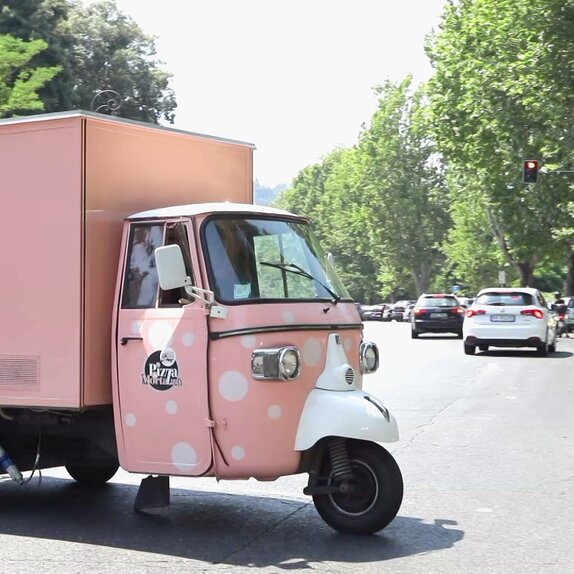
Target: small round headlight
289,363
369,357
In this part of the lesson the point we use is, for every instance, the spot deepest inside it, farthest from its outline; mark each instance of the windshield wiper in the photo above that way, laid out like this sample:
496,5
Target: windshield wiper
293,268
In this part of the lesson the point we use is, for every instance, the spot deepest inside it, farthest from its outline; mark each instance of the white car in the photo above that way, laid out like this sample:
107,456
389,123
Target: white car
509,317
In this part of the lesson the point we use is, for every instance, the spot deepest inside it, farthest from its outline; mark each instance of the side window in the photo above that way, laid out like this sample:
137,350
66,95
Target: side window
141,283
176,234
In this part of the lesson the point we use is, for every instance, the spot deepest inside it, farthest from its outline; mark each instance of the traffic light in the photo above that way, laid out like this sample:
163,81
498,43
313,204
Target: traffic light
530,171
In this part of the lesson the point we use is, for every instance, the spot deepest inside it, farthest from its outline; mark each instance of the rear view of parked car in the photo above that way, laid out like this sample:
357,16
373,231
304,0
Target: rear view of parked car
509,317
371,312
437,313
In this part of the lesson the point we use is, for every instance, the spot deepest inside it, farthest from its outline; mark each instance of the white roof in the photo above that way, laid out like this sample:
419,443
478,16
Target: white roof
192,209
530,290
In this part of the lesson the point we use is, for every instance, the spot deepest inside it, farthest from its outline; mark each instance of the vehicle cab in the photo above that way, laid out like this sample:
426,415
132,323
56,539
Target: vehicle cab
238,351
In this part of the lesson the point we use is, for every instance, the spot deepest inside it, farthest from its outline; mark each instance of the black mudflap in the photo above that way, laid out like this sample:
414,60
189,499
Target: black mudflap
153,494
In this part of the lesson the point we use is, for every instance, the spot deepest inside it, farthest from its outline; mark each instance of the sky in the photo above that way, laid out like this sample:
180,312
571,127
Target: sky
293,77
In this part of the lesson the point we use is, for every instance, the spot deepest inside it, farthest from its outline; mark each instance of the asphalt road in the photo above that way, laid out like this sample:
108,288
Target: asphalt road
487,459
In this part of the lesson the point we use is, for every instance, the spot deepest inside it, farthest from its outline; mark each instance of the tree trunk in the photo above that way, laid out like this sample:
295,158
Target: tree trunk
526,270
570,276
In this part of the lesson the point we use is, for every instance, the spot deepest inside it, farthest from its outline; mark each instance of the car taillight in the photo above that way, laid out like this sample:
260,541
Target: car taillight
533,312
473,312
459,310
417,311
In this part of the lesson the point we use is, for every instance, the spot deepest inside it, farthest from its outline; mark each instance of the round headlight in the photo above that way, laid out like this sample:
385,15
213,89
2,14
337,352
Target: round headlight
289,363
369,357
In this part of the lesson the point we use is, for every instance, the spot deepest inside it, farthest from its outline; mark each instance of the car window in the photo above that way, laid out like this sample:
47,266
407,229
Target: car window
508,299
438,302
571,303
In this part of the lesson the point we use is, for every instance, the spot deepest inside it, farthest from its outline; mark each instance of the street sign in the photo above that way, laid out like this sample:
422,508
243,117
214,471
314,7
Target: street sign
455,288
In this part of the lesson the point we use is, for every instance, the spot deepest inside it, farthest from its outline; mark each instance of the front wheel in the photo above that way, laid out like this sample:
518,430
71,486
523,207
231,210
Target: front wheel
91,475
375,494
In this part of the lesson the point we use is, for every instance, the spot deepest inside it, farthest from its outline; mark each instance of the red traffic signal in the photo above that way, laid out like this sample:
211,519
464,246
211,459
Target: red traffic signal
530,171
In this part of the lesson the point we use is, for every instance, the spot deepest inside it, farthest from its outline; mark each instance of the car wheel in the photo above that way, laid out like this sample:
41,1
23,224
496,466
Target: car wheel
469,349
375,498
414,334
459,334
91,475
483,347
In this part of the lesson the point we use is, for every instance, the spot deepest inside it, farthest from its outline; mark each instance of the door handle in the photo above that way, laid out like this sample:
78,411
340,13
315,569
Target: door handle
124,340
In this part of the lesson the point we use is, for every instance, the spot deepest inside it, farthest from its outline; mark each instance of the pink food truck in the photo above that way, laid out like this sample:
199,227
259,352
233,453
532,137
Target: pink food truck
154,319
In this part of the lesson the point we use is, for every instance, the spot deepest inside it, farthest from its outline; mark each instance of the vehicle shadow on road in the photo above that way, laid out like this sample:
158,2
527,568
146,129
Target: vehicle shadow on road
241,530
525,353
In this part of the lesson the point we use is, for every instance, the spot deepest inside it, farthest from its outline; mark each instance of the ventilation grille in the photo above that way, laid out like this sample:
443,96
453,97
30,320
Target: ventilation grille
19,371
350,376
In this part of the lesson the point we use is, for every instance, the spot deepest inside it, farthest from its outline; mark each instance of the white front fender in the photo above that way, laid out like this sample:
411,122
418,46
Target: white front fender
349,414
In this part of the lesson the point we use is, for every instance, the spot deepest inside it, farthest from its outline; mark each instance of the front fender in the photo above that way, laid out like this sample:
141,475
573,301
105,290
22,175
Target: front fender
349,414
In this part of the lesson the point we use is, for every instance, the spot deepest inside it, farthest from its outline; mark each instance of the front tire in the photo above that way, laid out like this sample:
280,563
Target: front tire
91,475
376,495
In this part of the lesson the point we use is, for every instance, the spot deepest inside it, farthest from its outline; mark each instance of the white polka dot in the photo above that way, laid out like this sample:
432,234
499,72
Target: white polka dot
348,344
183,456
249,341
275,412
233,386
160,334
130,420
312,352
171,407
288,317
238,453
137,327
188,339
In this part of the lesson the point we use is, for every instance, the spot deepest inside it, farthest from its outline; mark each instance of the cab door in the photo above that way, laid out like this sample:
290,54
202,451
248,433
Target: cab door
161,342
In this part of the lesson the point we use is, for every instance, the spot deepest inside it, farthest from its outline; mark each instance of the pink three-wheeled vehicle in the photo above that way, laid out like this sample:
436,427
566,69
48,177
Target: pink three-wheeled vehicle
250,364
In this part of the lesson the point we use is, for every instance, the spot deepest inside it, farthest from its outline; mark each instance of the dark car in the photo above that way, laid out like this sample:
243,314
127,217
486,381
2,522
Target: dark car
371,312
437,313
397,311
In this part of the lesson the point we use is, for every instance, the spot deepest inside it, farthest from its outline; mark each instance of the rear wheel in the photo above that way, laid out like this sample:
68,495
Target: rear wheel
414,334
375,494
91,475
469,349
483,347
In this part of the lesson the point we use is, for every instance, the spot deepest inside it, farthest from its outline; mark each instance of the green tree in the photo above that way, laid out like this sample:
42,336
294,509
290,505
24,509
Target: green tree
404,190
19,82
98,48
330,193
503,92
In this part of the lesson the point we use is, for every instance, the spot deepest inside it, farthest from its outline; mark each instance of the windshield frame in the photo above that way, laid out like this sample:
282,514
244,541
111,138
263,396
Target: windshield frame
241,232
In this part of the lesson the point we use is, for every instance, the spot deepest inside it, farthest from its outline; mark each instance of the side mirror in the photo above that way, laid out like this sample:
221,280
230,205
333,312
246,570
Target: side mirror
170,267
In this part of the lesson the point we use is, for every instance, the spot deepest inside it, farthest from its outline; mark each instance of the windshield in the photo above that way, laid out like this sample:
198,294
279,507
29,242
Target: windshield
257,258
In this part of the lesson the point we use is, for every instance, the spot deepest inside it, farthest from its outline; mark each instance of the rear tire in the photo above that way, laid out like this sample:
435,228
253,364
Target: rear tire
483,347
469,349
376,497
92,475
414,334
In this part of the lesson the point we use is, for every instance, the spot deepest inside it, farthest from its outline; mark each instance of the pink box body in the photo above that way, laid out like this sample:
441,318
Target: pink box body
67,181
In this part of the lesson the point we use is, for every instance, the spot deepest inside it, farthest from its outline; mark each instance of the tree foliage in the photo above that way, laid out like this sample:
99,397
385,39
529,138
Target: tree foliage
503,92
98,48
20,82
380,207
404,189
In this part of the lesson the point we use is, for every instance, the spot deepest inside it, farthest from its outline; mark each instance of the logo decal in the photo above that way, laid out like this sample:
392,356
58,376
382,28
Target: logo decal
161,371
